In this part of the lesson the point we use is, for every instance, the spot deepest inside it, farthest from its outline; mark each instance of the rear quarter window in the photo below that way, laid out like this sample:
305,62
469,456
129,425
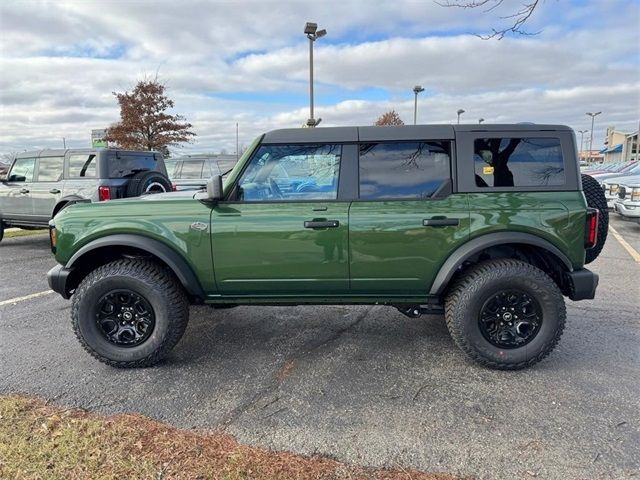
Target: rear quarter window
518,162
124,164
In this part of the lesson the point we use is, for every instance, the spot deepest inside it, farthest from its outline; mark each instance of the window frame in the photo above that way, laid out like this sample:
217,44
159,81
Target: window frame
347,175
466,164
443,191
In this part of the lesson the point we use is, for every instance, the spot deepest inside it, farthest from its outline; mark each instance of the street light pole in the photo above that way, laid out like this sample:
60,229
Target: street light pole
416,90
593,116
582,132
480,120
460,112
312,32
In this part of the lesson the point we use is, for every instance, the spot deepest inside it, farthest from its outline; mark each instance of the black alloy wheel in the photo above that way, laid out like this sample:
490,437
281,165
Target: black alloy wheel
510,319
125,318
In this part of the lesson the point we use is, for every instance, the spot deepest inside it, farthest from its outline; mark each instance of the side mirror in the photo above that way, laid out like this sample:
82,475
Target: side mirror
214,188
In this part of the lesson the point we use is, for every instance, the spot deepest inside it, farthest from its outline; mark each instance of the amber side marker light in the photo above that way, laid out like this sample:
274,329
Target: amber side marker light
53,238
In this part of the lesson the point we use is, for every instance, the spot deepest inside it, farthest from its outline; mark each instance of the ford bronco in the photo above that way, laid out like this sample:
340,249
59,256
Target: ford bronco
490,224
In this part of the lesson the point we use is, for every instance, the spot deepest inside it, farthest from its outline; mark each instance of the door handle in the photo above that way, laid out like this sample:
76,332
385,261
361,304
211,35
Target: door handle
24,190
321,224
54,191
440,222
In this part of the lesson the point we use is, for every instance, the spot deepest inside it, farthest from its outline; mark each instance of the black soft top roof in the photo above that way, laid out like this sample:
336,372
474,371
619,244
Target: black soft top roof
391,133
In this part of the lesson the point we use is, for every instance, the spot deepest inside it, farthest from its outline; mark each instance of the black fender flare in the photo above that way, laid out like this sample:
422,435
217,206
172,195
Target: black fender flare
173,259
467,250
71,199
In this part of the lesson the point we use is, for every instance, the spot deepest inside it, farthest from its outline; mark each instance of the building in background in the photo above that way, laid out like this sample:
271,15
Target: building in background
620,146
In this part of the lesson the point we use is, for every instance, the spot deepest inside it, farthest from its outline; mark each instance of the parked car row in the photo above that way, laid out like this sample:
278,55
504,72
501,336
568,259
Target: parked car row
39,184
621,185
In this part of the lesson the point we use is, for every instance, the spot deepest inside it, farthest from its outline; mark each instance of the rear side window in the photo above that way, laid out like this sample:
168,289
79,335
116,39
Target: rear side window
518,162
50,169
123,164
407,170
82,166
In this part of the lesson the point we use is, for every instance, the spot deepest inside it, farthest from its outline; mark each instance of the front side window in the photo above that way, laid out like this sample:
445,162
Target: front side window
291,172
403,170
22,170
82,166
518,162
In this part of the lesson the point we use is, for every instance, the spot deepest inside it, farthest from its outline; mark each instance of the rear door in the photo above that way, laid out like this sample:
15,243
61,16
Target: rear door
407,221
46,189
284,230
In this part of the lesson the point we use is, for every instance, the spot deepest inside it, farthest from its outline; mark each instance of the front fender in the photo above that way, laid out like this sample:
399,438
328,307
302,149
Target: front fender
173,259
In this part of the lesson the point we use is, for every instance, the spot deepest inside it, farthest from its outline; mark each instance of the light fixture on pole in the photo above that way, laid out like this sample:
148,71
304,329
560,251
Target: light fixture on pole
582,132
480,120
416,90
593,116
460,112
312,32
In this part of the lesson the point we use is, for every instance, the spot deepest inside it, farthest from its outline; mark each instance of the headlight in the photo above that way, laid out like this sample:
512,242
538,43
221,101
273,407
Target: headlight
635,194
613,188
53,237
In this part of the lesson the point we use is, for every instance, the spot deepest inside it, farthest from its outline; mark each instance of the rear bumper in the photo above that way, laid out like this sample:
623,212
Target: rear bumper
58,278
582,284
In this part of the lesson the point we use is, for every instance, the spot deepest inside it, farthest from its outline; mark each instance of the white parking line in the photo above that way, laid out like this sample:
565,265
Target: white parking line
26,297
627,247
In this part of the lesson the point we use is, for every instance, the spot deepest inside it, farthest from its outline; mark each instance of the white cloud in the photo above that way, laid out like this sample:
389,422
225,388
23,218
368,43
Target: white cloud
585,58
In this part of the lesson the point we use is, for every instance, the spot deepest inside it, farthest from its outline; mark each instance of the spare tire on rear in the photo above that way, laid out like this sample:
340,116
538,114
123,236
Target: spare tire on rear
595,199
146,182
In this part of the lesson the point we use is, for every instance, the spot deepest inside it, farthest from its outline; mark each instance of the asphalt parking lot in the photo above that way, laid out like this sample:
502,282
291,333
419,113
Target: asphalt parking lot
362,384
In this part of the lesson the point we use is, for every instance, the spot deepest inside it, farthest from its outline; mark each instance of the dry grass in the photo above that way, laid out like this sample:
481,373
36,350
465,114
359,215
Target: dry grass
23,233
41,441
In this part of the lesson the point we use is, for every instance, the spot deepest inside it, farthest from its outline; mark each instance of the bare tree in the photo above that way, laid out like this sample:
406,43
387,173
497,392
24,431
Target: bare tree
516,20
389,118
144,123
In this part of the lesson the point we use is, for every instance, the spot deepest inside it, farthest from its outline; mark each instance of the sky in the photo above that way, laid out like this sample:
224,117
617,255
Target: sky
246,62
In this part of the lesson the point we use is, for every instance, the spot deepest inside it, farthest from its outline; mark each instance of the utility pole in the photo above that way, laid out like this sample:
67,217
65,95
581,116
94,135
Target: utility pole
582,132
312,32
593,116
64,143
416,90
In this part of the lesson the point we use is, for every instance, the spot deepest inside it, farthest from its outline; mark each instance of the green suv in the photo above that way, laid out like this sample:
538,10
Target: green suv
486,223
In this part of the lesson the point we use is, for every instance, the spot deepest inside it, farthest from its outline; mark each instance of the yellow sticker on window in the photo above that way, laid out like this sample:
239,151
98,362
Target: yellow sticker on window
487,170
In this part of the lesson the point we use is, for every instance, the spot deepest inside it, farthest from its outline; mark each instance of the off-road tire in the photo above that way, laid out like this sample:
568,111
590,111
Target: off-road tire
147,182
157,285
469,292
595,199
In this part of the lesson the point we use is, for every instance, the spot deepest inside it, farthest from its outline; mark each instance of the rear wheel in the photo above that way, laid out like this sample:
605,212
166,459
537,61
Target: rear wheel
129,313
505,314
595,199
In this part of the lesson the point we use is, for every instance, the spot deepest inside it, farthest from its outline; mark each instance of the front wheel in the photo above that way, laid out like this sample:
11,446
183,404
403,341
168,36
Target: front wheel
129,313
505,314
